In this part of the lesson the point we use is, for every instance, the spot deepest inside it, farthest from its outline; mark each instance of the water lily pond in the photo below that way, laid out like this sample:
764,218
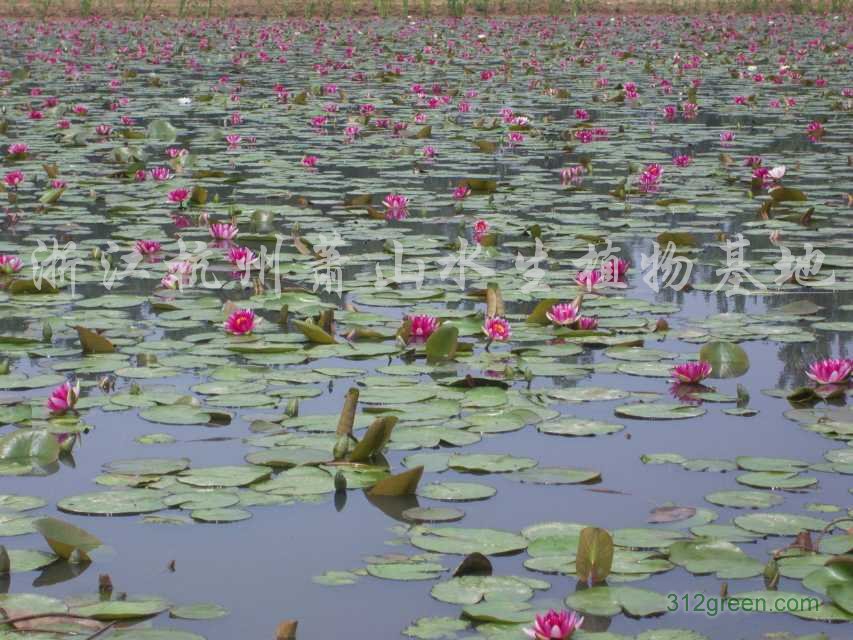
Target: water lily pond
421,329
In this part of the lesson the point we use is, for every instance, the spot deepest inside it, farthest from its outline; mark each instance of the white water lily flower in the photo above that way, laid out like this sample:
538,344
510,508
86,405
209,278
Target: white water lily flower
777,173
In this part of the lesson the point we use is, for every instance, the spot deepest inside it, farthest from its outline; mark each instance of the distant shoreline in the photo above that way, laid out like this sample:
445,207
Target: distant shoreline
330,9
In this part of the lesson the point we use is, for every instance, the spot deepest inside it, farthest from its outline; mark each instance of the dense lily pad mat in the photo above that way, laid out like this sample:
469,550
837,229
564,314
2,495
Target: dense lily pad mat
252,272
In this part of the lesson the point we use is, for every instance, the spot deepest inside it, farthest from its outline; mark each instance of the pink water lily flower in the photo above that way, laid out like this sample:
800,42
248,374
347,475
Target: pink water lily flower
309,161
423,326
161,174
233,139
18,150
223,231
13,179
554,626
461,192
497,329
63,398
682,161
615,269
691,372
241,322
147,247
396,206
650,178
563,314
815,130
587,323
830,370
588,279
179,196
10,264
242,257
572,175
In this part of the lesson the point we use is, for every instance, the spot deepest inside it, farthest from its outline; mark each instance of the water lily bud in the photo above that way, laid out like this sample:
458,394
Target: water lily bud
286,630
135,389
661,325
5,563
46,331
4,367
340,481
105,584
292,409
342,446
771,574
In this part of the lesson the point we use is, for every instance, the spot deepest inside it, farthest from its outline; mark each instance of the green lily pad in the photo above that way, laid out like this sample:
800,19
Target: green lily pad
779,524
437,628
579,427
489,463
148,466
456,491
556,475
114,503
744,499
714,556
200,611
407,571
227,476
456,540
468,590
609,601
659,411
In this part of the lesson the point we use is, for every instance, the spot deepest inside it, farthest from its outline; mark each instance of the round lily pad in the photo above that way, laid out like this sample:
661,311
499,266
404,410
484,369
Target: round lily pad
126,609
114,503
457,540
473,589
578,427
407,571
745,499
556,475
200,611
12,502
22,560
439,628
659,411
779,524
776,480
220,515
177,414
489,462
456,491
148,466
433,514
227,476
286,457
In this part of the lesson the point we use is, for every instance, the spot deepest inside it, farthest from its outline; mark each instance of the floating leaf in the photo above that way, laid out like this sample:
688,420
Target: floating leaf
93,342
402,484
65,538
727,359
594,557
442,344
